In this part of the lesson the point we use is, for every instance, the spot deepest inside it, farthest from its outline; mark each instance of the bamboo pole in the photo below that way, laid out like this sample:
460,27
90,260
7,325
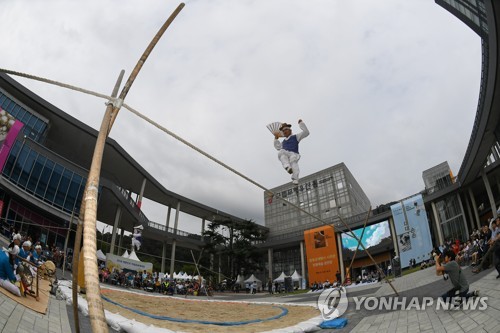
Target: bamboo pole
79,229
369,254
348,271
96,310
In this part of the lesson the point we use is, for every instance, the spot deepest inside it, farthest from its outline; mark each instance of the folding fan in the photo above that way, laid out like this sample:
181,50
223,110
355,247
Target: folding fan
275,128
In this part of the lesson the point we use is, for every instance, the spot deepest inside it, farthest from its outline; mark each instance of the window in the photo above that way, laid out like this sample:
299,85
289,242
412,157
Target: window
44,179
26,169
35,174
72,195
63,188
53,183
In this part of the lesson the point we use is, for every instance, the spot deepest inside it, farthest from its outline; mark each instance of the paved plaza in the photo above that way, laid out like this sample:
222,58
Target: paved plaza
59,318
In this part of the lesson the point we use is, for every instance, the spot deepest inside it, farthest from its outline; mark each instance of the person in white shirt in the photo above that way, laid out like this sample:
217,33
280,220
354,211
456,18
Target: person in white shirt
288,149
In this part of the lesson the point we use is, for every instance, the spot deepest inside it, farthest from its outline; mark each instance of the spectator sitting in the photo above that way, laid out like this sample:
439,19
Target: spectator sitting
490,237
7,273
25,252
36,258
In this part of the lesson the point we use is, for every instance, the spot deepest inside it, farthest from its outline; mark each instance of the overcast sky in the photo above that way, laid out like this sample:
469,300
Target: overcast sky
389,87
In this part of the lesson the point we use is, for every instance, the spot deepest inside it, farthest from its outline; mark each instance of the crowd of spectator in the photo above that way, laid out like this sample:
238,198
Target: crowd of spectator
152,282
48,252
21,260
481,250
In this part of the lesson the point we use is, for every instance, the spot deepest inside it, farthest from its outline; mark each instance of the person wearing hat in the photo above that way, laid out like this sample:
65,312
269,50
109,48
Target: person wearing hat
137,237
16,240
25,251
7,276
36,258
288,149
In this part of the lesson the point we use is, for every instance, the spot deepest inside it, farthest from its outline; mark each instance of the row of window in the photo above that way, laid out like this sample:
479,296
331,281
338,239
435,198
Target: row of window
45,179
34,127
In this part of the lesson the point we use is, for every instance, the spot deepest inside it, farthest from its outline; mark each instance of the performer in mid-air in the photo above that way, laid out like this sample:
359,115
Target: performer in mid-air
137,237
288,149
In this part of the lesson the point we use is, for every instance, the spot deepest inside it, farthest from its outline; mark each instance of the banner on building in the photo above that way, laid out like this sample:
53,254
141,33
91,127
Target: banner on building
122,263
9,129
321,253
375,238
412,230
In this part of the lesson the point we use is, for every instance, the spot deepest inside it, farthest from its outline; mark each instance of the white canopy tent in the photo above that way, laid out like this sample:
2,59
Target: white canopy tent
240,280
100,255
125,254
296,277
133,256
251,279
281,278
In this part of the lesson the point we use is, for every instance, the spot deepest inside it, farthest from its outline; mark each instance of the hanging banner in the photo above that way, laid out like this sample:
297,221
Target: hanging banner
9,129
121,263
376,239
321,253
412,230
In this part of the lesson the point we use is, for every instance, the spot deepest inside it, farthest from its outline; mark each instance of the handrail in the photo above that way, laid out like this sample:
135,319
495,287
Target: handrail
145,221
178,232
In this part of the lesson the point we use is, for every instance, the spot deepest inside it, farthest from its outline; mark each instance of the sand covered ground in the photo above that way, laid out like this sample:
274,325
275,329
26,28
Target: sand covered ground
204,309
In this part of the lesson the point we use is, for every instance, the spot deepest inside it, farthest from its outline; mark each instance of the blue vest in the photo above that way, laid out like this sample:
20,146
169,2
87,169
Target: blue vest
23,254
291,144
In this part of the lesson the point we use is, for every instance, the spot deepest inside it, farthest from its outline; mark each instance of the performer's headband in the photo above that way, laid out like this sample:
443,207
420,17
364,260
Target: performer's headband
285,126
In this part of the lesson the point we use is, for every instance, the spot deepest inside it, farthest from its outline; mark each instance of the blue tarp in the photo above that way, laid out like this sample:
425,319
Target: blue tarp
334,323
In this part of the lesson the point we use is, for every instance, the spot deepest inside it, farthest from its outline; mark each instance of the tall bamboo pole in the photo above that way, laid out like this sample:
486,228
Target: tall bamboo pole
96,310
79,228
369,255
348,271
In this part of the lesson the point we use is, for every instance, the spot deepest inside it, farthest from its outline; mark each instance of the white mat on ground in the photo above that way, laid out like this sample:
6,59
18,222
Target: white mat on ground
122,324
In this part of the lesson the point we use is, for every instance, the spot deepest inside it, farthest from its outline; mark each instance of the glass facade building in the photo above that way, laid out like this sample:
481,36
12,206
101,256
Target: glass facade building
471,12
34,124
326,194
437,177
40,174
452,218
448,210
55,184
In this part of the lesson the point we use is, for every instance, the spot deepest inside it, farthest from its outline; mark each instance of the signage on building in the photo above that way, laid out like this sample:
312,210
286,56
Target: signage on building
375,238
321,253
307,186
122,263
9,129
412,230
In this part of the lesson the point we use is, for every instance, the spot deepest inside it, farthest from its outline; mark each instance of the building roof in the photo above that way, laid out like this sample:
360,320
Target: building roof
74,140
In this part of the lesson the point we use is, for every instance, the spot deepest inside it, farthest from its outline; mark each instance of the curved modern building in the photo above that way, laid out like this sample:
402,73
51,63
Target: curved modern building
44,161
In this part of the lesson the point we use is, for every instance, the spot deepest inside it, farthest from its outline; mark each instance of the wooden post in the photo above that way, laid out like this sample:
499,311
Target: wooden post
96,309
78,273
